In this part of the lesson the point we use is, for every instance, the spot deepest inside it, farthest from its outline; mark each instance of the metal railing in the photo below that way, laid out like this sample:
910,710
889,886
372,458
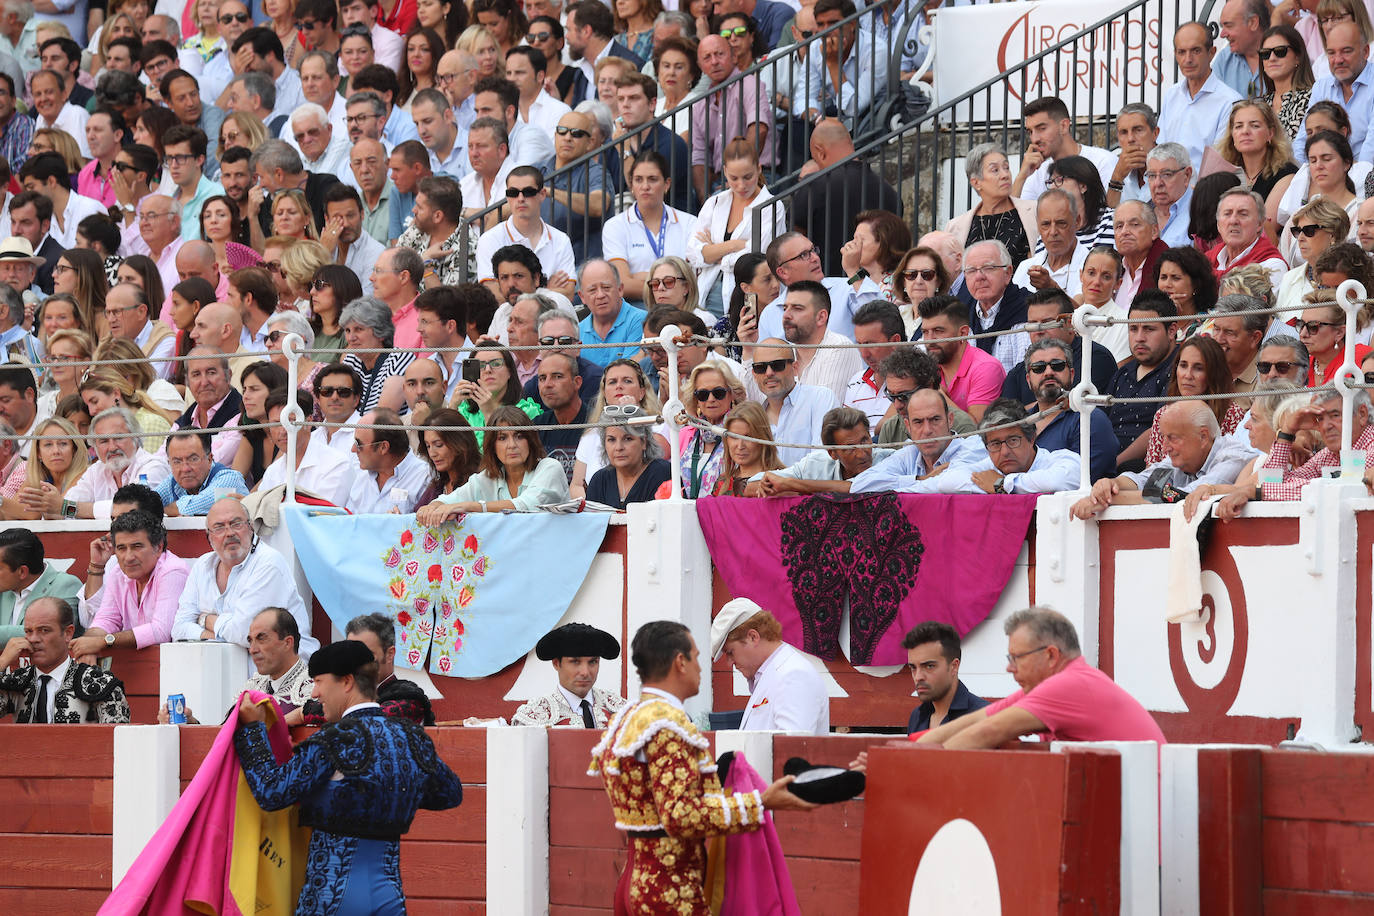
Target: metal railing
918,164
785,73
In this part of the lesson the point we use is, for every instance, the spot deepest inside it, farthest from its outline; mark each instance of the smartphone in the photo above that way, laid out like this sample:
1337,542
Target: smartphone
472,370
751,307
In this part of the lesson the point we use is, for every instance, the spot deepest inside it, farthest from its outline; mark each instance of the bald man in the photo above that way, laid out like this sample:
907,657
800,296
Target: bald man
825,210
220,325
462,67
197,259
951,252
740,110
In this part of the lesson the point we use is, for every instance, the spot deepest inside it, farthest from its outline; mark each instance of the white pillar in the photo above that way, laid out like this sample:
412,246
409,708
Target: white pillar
518,820
1067,568
757,748
1179,886
669,576
147,784
209,674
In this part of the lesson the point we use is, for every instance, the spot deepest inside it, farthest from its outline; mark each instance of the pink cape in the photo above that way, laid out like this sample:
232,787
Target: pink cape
757,882
187,861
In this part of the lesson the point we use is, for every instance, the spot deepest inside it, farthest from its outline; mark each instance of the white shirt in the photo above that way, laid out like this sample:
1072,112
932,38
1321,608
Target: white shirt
334,159
1196,121
861,393
1069,277
77,209
829,368
411,475
713,216
341,440
1049,472
1039,180
799,421
529,145
387,47
625,237
73,121
819,465
787,693
545,112
553,249
362,254
98,485
844,302
262,580
475,197
322,471
1276,266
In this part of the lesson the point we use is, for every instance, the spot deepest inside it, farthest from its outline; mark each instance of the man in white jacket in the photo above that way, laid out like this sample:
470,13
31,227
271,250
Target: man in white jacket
786,691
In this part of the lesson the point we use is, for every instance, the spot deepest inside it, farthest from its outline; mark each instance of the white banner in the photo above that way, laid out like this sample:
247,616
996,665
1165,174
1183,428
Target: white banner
1119,63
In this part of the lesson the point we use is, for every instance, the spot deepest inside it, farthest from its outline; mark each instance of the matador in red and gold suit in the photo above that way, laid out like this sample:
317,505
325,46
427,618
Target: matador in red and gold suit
665,794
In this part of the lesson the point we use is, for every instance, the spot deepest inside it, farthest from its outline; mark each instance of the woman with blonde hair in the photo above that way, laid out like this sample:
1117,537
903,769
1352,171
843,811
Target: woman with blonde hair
56,140
134,366
724,229
291,215
623,382
480,42
53,468
672,282
299,264
102,388
745,459
711,392
1313,229
242,128
69,351
1255,142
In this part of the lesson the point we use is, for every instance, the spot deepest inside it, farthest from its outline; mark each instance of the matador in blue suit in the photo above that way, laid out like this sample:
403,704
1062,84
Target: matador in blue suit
359,782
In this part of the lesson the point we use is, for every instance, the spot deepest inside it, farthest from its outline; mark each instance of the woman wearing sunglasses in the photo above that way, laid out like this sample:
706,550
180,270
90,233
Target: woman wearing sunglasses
497,386
1321,328
672,284
622,384
514,474
641,236
330,288
711,392
920,274
1286,74
635,468
1312,230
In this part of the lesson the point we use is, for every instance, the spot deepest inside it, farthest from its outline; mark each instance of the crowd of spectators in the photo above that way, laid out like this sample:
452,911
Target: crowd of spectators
474,220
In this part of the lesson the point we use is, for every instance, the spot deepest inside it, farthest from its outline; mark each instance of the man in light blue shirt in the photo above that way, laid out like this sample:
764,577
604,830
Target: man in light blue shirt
795,412
1242,25
927,422
1195,111
1350,84
831,470
1013,463
1169,177
1137,132
612,319
862,66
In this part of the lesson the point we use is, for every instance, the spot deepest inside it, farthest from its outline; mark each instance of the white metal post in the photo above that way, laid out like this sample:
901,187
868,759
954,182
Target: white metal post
672,406
292,417
1349,295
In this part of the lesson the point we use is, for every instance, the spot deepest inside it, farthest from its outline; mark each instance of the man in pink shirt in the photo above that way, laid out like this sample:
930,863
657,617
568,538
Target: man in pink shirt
1061,695
135,602
971,377
396,281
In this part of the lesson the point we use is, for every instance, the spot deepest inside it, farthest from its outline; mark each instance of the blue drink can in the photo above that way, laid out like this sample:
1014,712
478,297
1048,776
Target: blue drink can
176,709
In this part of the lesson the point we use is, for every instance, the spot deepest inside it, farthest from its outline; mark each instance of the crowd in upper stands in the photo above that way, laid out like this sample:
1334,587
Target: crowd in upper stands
473,216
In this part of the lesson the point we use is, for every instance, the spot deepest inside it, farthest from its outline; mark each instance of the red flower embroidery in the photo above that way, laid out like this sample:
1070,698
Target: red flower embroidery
407,538
436,573
470,545
403,618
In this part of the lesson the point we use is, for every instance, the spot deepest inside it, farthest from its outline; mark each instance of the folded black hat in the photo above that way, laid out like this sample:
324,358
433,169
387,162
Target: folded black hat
339,658
823,785
575,640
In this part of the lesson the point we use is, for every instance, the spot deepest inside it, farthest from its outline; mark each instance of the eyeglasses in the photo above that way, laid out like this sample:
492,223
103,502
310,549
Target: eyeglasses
1310,230
1315,327
927,274
145,216
309,133
577,132
63,268
273,267
900,397
114,311
1283,367
806,34
1165,174
561,340
777,365
1338,17
717,394
813,251
1058,365
738,31
532,37
178,158
330,391
623,410
125,167
492,364
1011,442
376,269
1280,52
513,193
443,79
980,271
237,524
1369,378
1055,181
273,337
318,285
229,18
1012,659
358,119
666,282
306,26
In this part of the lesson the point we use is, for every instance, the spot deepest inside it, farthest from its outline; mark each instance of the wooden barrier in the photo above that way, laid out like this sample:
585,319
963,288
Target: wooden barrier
586,852
1285,832
56,820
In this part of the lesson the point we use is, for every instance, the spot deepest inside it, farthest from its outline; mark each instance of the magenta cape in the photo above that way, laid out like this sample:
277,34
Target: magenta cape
184,869
897,559
757,882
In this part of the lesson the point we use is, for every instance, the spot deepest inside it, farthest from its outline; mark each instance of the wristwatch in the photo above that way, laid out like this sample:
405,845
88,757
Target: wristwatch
68,509
860,274
109,640
1286,437
999,486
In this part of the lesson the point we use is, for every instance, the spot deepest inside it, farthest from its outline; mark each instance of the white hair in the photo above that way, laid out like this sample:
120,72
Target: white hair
1198,415
310,108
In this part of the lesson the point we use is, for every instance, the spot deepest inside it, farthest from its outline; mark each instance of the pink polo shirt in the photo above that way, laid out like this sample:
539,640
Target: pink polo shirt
978,379
406,321
1080,703
96,187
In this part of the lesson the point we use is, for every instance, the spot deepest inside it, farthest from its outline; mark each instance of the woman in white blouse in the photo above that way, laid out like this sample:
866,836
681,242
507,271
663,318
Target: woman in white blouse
724,229
514,475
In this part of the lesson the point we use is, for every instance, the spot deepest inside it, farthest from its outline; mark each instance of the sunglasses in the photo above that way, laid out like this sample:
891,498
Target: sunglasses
623,410
1310,230
532,37
274,337
1058,365
777,365
229,18
513,193
1315,327
1369,378
900,397
318,285
329,391
926,274
738,31
577,132
666,282
1280,52
1283,367
306,25
717,393
562,340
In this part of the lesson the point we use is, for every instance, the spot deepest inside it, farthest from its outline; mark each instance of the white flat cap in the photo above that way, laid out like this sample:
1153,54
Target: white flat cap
731,615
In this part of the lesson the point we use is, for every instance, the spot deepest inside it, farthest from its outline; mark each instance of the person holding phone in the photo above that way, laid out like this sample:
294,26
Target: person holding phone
490,382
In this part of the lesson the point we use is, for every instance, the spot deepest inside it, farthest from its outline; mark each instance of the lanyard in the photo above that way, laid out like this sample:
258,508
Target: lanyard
696,456
662,231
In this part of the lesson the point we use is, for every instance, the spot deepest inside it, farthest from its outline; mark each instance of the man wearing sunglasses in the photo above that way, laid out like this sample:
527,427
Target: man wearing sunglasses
234,19
525,194
579,200
1050,375
1047,307
795,411
1283,356
806,325
338,390
558,333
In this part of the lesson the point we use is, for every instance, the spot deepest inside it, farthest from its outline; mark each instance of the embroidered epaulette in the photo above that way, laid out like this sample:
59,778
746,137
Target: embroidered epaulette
91,685
645,720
